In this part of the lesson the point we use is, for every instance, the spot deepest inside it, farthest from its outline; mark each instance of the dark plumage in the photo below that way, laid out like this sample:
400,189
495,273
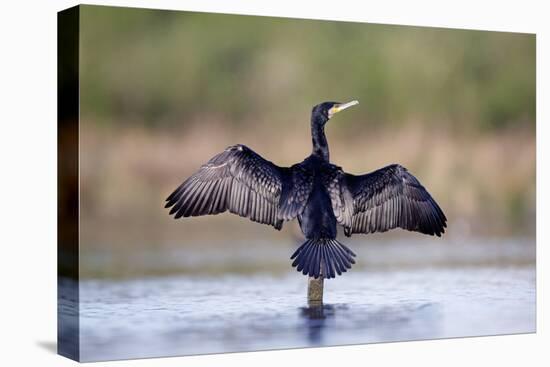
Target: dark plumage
319,194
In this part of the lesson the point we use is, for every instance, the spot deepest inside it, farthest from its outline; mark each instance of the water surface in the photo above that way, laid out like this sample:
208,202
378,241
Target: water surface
183,315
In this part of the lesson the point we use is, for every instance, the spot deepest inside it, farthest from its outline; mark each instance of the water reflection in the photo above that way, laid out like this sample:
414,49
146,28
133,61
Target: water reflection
315,317
368,323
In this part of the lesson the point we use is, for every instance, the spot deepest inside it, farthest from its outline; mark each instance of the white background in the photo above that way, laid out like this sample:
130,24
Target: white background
28,182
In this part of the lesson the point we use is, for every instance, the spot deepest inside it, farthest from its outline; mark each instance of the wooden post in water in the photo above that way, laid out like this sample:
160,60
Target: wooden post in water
315,290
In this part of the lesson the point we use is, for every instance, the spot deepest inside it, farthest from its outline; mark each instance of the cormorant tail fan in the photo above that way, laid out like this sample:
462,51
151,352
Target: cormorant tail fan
319,194
323,257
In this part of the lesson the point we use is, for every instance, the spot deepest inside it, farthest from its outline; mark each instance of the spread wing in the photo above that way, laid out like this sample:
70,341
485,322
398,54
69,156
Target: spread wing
391,197
238,180
296,192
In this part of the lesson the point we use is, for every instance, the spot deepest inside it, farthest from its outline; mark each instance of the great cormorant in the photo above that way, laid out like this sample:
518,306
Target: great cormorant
316,192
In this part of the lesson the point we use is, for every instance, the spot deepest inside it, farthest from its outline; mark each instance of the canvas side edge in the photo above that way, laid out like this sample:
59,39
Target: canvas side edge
68,325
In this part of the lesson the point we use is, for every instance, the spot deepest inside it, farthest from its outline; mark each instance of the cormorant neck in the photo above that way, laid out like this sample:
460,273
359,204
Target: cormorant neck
319,140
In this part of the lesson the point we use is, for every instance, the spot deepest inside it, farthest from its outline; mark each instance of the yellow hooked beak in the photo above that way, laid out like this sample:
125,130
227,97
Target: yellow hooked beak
340,107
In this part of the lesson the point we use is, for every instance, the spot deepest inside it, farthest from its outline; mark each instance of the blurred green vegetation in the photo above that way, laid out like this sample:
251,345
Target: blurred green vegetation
163,91
165,68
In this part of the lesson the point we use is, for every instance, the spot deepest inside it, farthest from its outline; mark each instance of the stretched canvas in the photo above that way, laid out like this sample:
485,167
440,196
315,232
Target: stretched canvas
186,205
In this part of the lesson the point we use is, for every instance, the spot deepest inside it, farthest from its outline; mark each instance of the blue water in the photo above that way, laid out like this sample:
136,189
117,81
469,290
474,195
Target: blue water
182,315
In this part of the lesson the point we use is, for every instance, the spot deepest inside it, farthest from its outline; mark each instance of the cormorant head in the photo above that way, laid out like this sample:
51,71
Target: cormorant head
324,111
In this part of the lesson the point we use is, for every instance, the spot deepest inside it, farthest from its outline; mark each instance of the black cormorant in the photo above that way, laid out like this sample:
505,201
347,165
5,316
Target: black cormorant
316,192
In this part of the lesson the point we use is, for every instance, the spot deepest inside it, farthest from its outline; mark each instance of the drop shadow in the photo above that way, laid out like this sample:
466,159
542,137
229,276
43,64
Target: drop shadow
48,345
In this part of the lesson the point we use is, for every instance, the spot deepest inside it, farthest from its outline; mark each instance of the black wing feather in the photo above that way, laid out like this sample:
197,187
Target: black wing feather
391,197
238,180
